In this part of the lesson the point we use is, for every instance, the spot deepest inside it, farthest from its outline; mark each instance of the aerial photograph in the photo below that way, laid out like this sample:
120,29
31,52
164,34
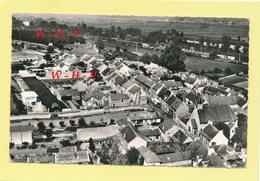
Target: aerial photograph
129,90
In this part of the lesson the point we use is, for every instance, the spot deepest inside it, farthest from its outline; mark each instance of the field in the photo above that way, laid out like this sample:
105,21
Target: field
195,29
194,63
46,97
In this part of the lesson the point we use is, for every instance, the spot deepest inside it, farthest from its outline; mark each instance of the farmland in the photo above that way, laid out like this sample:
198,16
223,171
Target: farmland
194,63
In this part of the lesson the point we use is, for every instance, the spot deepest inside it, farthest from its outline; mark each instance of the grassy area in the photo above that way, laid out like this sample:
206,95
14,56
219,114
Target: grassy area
194,63
46,97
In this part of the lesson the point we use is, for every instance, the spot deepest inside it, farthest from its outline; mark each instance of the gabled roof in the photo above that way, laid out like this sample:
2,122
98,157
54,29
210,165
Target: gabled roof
69,92
134,89
180,136
175,157
190,80
129,133
21,128
194,146
150,132
112,76
144,80
157,86
80,85
123,81
87,96
118,79
115,97
166,125
222,149
123,122
213,90
192,97
105,72
161,93
128,84
174,102
148,155
169,83
164,147
209,132
223,100
194,124
98,94
216,113
216,161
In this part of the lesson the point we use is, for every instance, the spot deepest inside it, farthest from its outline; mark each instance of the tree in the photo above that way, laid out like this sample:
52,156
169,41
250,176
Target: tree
240,136
48,133
91,145
50,49
51,125
116,157
202,71
41,127
117,48
146,58
238,38
100,45
225,41
112,121
132,156
62,124
47,57
11,145
228,71
72,122
245,50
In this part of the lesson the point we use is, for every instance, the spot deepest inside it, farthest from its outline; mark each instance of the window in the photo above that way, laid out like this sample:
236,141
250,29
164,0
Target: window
122,100
213,143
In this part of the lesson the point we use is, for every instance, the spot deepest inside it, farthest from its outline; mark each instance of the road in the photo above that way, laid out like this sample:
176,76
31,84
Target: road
97,119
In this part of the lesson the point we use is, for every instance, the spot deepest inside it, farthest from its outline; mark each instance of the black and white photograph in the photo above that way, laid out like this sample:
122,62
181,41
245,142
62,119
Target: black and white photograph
129,90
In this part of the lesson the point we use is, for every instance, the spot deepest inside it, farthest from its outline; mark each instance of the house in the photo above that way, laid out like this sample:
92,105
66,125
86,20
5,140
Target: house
192,98
177,107
129,136
182,137
209,90
144,82
176,159
154,134
168,128
80,85
29,98
149,157
191,81
118,100
68,95
144,118
212,136
88,101
217,114
161,148
122,122
101,98
20,134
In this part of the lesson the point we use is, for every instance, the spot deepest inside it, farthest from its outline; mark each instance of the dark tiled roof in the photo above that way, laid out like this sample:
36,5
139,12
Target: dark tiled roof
134,89
175,157
190,80
166,125
157,86
151,132
21,128
111,76
118,79
130,133
148,155
216,113
144,80
105,72
162,93
209,132
123,122
98,94
192,97
87,96
180,136
213,90
194,146
123,81
222,100
164,147
115,97
128,84
174,102
194,124
216,161
69,92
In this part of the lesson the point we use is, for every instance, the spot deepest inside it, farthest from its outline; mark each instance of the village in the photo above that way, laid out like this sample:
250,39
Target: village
127,113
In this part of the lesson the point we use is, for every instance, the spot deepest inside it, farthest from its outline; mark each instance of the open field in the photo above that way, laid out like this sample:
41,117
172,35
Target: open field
194,63
197,29
46,97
